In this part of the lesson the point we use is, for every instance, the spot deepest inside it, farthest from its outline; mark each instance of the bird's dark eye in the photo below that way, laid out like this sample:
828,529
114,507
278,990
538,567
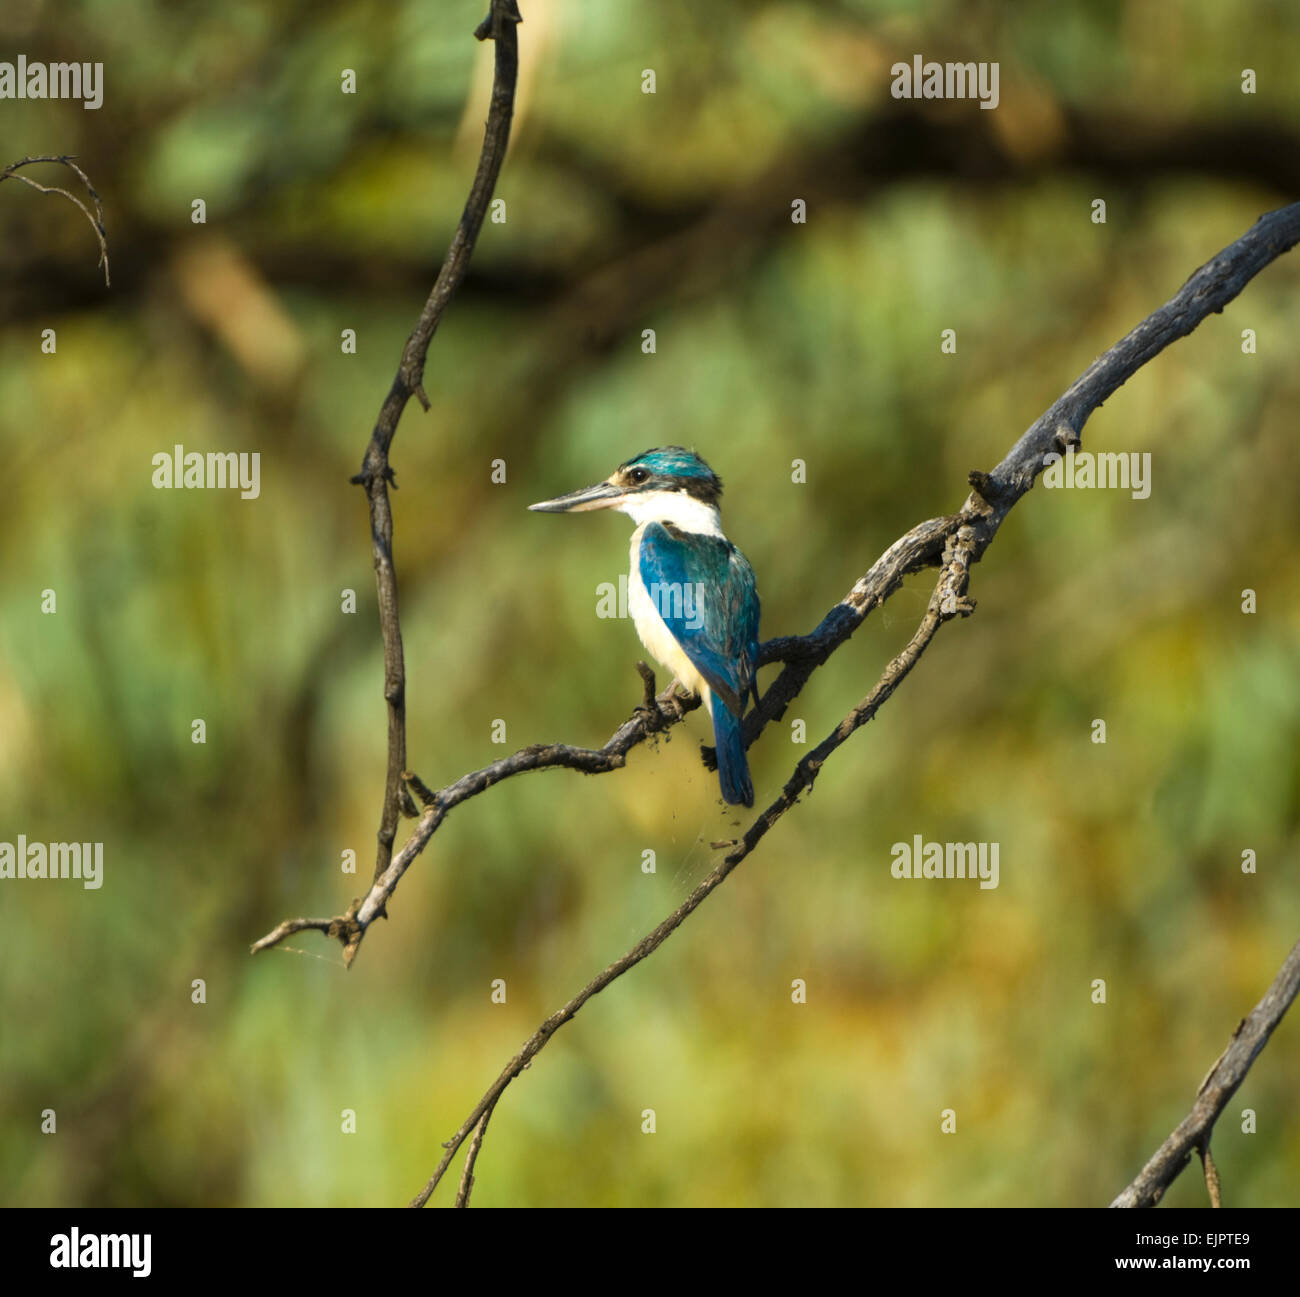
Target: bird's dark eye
637,475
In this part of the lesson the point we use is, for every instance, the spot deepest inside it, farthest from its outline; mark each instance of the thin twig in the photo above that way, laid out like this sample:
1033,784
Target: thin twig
1194,1131
467,1175
96,218
1211,1172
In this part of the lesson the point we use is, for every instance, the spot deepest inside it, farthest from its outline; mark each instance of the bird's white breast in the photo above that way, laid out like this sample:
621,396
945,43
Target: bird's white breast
659,641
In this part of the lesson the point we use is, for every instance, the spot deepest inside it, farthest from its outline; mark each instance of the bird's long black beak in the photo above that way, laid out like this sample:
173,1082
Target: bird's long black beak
603,495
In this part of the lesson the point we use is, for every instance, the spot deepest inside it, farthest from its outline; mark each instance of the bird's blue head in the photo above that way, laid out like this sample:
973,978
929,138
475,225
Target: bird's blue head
637,483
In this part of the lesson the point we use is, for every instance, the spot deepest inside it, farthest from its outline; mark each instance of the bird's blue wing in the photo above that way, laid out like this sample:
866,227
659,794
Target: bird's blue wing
704,590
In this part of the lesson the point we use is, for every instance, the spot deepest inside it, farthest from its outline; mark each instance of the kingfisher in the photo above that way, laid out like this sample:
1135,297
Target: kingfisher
691,592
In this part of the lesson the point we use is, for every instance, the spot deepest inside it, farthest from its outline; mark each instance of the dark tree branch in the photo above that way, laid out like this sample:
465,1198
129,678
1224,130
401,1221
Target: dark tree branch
96,218
375,475
351,926
1193,1133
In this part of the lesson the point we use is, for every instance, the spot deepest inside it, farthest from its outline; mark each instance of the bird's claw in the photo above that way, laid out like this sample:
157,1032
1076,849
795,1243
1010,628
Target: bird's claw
660,709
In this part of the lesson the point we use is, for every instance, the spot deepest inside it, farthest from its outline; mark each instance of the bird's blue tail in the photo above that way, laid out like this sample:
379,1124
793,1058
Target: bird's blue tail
733,768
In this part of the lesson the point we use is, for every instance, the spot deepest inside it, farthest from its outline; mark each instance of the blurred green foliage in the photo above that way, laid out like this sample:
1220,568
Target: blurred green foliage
776,342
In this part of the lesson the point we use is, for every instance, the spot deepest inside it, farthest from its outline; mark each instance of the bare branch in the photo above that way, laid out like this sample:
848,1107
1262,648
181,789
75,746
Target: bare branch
1194,1131
1211,1172
467,1175
288,928
96,218
500,27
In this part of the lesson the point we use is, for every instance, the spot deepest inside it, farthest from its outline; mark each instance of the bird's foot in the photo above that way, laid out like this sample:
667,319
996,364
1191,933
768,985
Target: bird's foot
661,709
670,704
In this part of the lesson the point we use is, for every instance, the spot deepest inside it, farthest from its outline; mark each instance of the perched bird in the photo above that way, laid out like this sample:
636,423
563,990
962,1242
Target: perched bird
691,592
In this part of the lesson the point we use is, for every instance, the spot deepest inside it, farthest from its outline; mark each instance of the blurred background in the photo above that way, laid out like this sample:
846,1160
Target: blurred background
776,341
